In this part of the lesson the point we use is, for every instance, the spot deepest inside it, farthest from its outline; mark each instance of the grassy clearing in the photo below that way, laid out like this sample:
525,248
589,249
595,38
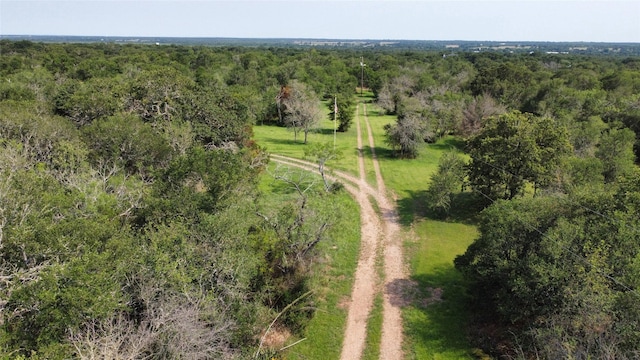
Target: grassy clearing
435,326
434,331
279,140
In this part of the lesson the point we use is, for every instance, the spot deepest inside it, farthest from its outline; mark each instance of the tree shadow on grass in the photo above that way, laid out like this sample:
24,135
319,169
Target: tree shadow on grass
327,131
284,141
465,207
412,207
440,315
448,143
383,153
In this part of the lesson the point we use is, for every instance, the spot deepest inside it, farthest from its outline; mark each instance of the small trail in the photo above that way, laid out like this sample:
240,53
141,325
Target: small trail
377,233
365,279
392,332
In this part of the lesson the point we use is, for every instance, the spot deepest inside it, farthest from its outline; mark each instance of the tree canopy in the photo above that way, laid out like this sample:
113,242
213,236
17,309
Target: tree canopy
131,216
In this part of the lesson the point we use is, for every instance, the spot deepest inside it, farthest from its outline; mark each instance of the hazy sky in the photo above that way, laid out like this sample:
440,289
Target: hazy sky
539,20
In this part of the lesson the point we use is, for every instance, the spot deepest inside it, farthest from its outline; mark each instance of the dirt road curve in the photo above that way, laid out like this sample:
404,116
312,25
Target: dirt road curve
380,235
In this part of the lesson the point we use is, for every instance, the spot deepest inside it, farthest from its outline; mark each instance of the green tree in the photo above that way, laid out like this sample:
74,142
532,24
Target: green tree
127,142
406,136
155,94
512,149
345,107
510,82
216,116
585,136
63,298
85,101
554,272
616,153
445,182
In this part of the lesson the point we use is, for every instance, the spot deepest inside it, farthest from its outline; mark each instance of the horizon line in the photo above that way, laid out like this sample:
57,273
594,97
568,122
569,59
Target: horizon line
315,39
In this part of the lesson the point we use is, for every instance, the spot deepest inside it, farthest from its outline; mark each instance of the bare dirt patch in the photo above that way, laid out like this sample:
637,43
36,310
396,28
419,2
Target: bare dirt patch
402,292
435,296
276,338
344,303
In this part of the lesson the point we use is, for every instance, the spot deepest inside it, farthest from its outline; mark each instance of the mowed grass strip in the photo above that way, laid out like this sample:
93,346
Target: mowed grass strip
435,323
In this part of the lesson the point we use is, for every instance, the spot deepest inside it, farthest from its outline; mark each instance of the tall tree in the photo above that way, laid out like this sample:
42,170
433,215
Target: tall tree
559,273
476,112
616,153
344,105
302,110
445,182
407,135
512,149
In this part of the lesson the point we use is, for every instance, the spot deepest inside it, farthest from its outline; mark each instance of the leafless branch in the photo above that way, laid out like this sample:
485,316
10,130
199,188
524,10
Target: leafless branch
276,319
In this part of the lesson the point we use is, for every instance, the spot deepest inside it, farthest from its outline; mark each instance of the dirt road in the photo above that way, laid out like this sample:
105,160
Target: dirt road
381,236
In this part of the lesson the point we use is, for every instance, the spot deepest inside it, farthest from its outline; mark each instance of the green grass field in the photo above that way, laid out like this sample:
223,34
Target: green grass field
435,326
279,140
433,331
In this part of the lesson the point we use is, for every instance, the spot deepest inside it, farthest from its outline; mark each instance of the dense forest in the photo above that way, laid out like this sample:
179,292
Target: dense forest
132,223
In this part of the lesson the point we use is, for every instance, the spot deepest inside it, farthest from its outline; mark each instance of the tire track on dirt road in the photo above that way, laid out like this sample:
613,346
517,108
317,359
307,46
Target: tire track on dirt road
394,273
376,232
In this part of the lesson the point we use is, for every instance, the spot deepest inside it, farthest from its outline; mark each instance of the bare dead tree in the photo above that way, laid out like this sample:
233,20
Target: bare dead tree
321,153
282,96
301,181
385,99
302,110
478,110
172,327
301,229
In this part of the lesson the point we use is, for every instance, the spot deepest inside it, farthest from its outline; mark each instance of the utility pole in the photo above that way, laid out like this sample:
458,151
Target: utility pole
362,65
335,114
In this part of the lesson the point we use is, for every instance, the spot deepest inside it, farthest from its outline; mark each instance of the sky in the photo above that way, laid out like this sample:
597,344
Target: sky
483,20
